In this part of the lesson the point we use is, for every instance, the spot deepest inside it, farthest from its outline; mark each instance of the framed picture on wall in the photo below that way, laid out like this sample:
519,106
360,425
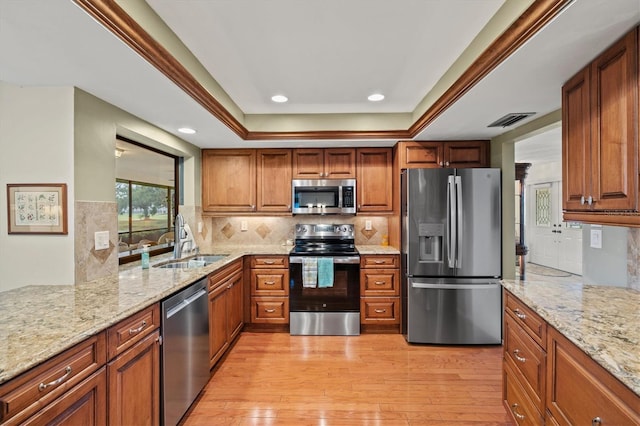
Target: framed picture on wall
37,208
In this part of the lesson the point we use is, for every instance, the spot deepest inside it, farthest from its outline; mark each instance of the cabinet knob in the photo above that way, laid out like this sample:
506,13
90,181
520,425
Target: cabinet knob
582,200
596,421
441,164
590,200
446,164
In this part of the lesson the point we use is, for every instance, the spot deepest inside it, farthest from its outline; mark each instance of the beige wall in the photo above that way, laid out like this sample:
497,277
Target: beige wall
36,136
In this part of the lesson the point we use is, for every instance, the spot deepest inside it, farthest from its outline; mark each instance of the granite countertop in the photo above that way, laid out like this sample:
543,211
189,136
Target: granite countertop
40,321
602,321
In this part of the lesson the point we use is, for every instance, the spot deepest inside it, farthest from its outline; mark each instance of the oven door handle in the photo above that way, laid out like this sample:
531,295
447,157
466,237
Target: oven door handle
336,259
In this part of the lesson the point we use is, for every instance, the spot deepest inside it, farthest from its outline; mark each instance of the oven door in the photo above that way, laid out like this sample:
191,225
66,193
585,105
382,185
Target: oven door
343,296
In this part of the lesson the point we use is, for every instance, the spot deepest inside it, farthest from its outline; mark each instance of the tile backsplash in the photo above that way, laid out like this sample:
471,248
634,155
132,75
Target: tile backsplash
276,230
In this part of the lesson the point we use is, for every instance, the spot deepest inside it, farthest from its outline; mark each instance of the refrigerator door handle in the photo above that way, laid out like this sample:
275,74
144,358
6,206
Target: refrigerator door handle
458,185
451,222
455,286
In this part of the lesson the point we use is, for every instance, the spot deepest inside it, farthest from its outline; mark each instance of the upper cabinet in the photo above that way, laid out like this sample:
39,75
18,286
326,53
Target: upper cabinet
375,189
228,180
274,180
436,154
600,137
329,163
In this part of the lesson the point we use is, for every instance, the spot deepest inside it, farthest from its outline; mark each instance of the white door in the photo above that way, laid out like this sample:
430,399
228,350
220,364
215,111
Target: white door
552,242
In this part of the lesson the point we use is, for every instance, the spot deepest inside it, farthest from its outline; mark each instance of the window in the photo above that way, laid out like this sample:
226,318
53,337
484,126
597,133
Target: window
146,198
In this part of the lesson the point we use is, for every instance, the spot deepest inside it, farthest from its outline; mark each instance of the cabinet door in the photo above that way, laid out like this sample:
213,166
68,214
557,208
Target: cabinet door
339,163
308,163
614,126
375,188
576,142
218,341
427,155
274,180
466,154
229,180
579,391
235,312
134,384
85,404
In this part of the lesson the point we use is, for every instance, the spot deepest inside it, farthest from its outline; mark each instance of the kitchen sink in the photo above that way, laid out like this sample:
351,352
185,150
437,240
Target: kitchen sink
198,261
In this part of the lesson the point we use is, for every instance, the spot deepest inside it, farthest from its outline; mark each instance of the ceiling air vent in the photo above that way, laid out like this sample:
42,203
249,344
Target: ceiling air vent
510,119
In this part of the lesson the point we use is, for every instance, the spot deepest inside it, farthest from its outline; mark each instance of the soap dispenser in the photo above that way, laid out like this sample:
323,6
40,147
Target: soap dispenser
145,256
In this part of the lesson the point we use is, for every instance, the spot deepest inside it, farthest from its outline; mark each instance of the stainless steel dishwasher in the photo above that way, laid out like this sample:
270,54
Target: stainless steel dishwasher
185,350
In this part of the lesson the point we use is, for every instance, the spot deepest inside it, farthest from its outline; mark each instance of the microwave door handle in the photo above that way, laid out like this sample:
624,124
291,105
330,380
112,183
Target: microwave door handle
450,228
459,230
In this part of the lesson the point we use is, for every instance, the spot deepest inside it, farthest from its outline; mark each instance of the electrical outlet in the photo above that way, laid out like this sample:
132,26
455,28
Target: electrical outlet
199,227
367,225
244,226
101,240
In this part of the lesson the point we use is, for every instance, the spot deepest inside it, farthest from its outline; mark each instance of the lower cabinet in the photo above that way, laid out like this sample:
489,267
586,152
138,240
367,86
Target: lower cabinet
269,290
551,381
134,384
225,309
380,292
133,370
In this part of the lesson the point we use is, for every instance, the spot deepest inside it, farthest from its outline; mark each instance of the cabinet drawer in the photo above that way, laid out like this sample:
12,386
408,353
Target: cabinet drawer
269,282
580,390
382,282
379,261
270,310
131,330
36,388
516,400
527,358
379,310
527,319
269,261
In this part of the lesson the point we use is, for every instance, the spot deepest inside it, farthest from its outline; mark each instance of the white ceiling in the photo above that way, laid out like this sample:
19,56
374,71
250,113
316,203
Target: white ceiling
326,57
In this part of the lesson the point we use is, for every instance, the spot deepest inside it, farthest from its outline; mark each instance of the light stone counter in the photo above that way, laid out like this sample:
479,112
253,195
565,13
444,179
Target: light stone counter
40,321
602,321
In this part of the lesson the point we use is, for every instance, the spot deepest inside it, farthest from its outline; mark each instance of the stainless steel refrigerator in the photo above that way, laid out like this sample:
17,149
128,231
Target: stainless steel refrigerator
452,256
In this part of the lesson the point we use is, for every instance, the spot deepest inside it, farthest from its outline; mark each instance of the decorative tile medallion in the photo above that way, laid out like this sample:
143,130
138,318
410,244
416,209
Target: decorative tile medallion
369,234
263,230
227,230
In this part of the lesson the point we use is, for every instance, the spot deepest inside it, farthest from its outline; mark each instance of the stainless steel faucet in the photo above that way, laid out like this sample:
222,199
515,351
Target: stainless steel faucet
180,236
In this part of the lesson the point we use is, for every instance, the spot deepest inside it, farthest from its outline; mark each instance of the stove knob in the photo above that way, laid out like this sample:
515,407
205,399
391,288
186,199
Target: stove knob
302,229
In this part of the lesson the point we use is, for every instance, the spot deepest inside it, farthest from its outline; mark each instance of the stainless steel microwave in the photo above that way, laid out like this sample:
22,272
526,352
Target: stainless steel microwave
323,196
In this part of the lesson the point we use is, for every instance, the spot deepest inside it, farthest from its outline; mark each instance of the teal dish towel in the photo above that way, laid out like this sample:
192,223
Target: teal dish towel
325,272
309,272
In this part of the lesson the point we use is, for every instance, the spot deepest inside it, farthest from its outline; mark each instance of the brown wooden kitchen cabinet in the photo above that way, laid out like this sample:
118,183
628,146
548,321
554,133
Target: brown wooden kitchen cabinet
274,180
375,180
548,380
229,180
448,154
70,388
380,292
225,309
581,392
600,135
524,362
133,375
328,163
269,290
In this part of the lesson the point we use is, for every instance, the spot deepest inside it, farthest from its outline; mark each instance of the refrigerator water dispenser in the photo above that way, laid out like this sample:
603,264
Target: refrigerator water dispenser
430,238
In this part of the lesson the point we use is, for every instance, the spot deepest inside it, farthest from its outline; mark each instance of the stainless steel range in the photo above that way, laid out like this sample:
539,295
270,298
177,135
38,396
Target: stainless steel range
324,270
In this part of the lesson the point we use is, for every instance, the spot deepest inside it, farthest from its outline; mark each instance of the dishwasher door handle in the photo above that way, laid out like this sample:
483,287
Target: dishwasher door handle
186,302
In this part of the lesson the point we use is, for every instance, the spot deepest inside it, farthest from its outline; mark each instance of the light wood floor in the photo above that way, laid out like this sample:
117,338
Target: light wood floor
372,379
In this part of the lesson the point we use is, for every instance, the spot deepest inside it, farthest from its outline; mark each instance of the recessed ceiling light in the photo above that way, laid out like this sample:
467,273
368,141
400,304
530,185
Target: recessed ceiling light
186,130
376,97
279,98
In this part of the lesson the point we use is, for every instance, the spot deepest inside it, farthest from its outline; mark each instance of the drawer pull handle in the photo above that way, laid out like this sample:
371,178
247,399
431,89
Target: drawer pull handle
270,311
269,262
67,371
139,329
519,314
269,282
596,421
380,262
516,353
379,282
380,311
514,409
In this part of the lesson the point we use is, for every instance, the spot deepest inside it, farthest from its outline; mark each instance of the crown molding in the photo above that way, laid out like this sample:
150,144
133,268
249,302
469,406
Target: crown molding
114,18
